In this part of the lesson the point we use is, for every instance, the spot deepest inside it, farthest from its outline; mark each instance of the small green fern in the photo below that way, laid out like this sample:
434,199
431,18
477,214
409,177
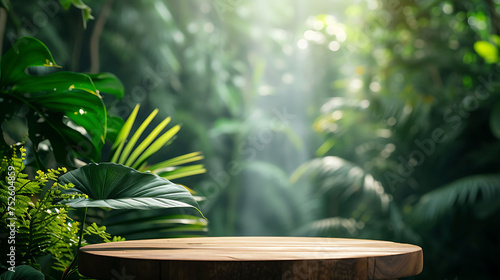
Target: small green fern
43,226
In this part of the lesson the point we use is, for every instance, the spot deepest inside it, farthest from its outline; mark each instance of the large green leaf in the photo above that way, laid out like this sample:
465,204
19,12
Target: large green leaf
67,105
64,137
22,272
108,83
70,93
116,186
53,97
26,52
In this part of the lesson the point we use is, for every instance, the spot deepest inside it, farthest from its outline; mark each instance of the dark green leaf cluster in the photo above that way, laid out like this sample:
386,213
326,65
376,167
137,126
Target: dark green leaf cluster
59,111
23,272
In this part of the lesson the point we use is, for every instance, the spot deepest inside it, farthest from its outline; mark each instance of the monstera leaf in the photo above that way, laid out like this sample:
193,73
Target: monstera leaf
63,107
22,272
116,186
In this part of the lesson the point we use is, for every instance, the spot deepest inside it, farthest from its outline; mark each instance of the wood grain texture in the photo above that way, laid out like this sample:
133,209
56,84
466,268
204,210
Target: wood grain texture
284,258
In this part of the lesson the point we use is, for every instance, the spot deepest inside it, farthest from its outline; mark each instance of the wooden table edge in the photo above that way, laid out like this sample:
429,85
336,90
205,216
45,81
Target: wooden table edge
377,267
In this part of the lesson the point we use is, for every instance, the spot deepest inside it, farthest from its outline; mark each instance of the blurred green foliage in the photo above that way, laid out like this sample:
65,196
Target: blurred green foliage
370,119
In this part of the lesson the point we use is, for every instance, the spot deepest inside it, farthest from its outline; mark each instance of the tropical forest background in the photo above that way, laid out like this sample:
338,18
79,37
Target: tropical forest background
375,119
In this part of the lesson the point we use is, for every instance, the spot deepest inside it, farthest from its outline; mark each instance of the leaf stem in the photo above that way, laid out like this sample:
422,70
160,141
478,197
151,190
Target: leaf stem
67,272
81,229
3,23
95,37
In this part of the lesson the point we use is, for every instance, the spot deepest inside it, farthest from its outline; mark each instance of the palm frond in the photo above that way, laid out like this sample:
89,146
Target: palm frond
343,178
182,171
331,227
160,142
480,191
187,158
123,134
160,223
136,154
131,143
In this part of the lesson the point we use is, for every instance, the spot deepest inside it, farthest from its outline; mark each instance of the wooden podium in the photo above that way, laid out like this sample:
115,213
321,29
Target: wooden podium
283,258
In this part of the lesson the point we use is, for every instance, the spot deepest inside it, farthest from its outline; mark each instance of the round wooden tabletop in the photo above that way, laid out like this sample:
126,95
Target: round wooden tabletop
250,258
